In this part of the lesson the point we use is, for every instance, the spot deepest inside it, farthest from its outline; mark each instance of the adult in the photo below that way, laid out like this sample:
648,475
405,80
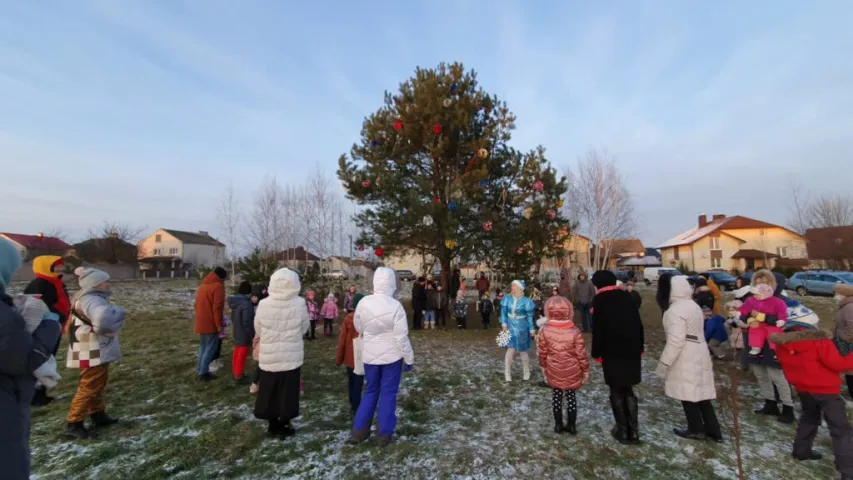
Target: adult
209,312
565,286
49,286
93,319
381,322
740,282
281,322
419,300
716,293
517,317
685,366
455,283
702,295
349,298
583,291
765,367
21,353
844,326
618,343
483,285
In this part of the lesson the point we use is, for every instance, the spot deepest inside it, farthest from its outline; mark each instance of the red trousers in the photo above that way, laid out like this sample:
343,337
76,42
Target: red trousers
238,361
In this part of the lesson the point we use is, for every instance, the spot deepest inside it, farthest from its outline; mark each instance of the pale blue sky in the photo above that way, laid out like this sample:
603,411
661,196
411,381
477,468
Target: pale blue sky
143,111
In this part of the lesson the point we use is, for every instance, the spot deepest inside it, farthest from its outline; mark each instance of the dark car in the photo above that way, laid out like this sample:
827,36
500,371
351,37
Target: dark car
723,280
406,275
622,275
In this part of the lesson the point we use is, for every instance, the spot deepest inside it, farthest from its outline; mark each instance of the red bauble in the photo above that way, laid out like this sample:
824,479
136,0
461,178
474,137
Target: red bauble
436,129
487,226
398,125
379,252
365,184
436,200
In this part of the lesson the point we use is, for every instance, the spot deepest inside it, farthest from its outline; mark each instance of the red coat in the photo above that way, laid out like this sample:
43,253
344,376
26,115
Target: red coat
811,361
344,353
209,305
562,355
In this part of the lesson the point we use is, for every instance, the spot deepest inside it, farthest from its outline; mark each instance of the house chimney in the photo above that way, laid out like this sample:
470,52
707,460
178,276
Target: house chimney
40,234
718,216
703,220
202,232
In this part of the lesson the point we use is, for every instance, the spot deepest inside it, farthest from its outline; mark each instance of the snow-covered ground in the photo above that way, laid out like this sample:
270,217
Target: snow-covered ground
458,418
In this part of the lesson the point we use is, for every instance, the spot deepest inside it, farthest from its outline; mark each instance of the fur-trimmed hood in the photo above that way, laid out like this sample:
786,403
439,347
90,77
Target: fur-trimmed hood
765,275
810,334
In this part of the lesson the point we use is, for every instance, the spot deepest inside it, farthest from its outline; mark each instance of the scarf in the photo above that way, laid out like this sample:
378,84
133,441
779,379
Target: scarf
63,304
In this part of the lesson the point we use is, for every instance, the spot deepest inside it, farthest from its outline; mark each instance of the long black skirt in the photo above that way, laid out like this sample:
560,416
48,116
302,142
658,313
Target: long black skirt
278,395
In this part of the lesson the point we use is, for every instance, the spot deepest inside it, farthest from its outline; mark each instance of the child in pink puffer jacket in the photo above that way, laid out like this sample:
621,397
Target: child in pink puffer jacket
329,312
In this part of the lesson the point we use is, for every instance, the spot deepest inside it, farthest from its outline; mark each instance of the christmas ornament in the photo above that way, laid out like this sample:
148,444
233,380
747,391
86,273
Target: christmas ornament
482,183
374,143
436,200
504,338
538,186
519,250
552,213
560,203
379,252
360,247
398,125
354,178
428,221
528,212
453,88
436,129
450,244
451,206
365,184
482,153
487,226
448,102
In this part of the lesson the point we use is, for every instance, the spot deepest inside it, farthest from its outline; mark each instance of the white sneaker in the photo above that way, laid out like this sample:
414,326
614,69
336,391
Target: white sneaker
507,377
253,389
526,375
754,352
215,366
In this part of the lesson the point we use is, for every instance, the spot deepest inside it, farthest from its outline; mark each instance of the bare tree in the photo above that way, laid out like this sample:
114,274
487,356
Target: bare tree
798,207
229,215
117,230
599,200
113,242
821,212
265,222
60,233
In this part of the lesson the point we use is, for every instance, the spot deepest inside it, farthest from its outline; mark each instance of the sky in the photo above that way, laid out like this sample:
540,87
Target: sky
143,111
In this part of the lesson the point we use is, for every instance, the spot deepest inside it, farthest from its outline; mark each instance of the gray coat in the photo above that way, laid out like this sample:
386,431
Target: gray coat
21,353
107,320
583,292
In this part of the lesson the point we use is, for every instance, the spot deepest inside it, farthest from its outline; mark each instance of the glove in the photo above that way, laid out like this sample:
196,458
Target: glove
599,360
661,370
408,367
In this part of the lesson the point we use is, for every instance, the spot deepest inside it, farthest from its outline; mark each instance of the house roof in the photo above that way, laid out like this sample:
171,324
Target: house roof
749,253
194,238
830,243
736,222
625,245
646,261
298,254
652,252
37,242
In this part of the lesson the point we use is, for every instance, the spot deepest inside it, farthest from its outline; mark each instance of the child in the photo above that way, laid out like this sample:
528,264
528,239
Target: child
330,314
92,346
715,332
460,311
345,355
485,306
34,310
430,307
243,313
348,298
499,296
755,309
562,355
313,314
812,365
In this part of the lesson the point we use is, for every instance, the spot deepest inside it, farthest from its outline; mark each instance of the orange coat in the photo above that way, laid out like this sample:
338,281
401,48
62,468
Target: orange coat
209,305
718,295
344,353
562,355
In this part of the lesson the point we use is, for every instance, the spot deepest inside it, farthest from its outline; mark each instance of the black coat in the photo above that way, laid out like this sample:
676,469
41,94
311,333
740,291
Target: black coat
617,337
243,320
49,295
419,297
637,298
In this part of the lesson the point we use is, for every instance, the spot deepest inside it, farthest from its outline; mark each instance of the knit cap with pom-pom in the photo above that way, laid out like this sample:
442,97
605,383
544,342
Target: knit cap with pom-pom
90,278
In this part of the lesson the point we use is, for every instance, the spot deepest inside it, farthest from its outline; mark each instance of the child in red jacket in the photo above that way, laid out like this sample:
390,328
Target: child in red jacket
813,366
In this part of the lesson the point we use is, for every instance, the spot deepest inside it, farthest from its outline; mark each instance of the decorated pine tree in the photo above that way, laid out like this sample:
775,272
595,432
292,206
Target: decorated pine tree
256,268
436,175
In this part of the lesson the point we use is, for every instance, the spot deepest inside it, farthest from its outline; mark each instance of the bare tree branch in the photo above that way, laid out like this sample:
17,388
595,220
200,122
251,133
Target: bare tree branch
229,216
821,212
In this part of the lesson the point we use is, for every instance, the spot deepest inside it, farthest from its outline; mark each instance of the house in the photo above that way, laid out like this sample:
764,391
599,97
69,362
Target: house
179,251
111,250
733,243
32,246
356,268
415,262
830,248
576,256
297,257
620,252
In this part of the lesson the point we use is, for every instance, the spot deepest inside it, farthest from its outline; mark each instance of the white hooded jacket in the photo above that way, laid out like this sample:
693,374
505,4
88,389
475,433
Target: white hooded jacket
690,376
381,322
280,321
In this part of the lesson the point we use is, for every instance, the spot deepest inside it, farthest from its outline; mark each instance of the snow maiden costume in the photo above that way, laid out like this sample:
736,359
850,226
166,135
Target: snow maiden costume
517,317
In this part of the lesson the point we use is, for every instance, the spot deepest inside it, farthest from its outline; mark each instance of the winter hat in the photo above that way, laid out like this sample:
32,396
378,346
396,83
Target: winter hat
520,283
90,278
10,262
558,308
245,288
220,272
357,298
764,276
843,290
331,296
604,278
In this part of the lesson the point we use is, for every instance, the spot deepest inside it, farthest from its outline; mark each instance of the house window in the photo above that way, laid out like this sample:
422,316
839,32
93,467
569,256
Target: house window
675,254
156,252
716,263
158,238
173,251
782,252
715,243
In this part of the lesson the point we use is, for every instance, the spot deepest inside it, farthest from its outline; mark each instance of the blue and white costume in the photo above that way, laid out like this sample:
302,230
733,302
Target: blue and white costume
517,316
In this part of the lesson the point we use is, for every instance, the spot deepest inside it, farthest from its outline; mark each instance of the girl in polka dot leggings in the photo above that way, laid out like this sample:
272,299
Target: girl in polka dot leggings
564,362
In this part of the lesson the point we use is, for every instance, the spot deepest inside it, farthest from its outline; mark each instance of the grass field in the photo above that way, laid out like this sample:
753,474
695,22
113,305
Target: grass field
458,419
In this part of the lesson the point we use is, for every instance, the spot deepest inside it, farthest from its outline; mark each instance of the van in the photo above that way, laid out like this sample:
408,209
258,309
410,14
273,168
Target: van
651,274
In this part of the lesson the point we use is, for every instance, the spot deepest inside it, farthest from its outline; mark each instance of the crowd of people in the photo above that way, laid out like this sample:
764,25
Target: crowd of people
774,336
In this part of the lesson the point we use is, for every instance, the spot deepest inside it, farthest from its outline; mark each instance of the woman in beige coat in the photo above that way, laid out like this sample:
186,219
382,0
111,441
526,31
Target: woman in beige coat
844,326
685,364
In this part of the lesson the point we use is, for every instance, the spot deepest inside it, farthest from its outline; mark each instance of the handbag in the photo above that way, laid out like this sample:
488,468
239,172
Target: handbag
358,363
84,345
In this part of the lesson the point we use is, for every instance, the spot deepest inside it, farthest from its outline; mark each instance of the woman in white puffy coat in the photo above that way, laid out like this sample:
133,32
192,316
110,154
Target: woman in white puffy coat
382,325
281,322
685,364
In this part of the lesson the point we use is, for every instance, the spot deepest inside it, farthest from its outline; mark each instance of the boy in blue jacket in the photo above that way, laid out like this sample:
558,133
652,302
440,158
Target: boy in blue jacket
715,332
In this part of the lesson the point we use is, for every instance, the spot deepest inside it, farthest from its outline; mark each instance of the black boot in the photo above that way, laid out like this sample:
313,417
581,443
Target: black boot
571,424
558,421
787,415
620,429
40,399
811,456
101,419
77,431
770,408
632,413
685,433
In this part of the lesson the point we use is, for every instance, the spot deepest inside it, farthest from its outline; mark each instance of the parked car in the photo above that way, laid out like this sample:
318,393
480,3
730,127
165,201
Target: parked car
723,280
338,275
818,282
652,274
622,275
406,275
